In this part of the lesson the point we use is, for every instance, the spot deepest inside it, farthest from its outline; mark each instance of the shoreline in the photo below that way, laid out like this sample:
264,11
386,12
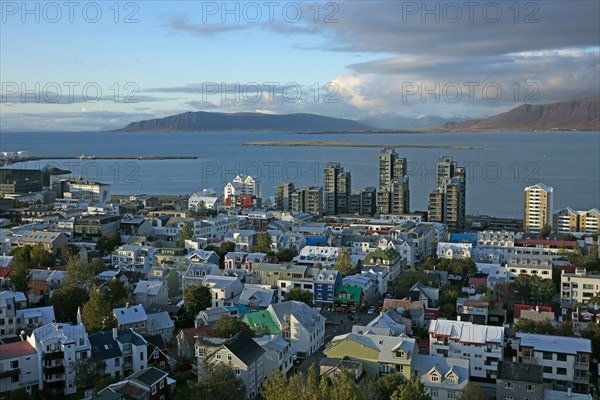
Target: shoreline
349,144
92,158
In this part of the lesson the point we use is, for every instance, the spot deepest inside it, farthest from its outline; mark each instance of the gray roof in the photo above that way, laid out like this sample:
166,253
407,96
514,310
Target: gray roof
128,315
308,317
555,344
103,346
511,371
160,320
244,348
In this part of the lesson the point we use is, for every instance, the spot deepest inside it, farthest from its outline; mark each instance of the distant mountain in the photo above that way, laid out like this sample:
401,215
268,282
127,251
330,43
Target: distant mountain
201,121
577,114
392,121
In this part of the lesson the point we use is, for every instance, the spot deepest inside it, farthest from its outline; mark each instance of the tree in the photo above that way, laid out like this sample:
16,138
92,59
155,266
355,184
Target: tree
88,371
525,325
96,266
196,298
412,390
40,257
262,243
343,264
286,255
400,288
228,326
565,328
116,293
309,386
298,294
225,248
388,384
19,394
19,278
201,208
447,301
472,392
220,383
534,290
94,315
187,232
78,272
592,332
108,243
545,231
66,300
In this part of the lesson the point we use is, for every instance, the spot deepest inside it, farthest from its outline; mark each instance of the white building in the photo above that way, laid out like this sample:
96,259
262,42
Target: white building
278,354
454,251
207,196
132,257
301,325
131,317
580,286
482,345
224,289
10,303
59,347
443,378
124,352
18,367
242,185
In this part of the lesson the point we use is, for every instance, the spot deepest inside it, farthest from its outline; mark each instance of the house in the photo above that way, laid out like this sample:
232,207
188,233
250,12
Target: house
331,368
29,319
579,287
427,294
18,367
158,354
160,324
43,282
454,251
147,384
167,275
246,358
379,355
148,292
370,292
257,297
57,347
326,282
565,361
10,303
475,311
519,381
416,309
394,324
132,257
278,354
534,313
131,317
196,273
224,289
243,239
349,297
388,258
122,351
186,339
210,316
482,345
203,257
50,241
443,378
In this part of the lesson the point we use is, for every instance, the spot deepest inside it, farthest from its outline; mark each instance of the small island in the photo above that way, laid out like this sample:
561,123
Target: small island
349,144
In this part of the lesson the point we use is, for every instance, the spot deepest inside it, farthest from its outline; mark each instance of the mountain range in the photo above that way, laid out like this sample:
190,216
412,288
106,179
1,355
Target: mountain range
576,114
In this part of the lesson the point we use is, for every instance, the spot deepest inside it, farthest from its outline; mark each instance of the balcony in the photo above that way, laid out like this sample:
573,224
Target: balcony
10,373
57,369
54,356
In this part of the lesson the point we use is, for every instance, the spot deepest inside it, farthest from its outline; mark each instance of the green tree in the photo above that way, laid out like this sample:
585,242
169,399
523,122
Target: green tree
388,384
400,288
95,316
187,232
88,371
565,328
220,383
286,255
66,300
447,301
228,326
226,247
298,294
196,298
19,277
201,209
412,390
96,266
19,394
40,257
305,387
545,231
108,243
78,272
343,264
534,290
262,243
592,332
525,325
68,250
116,293
472,392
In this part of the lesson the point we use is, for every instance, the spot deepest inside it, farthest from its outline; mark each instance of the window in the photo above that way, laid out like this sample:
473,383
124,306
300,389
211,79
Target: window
142,356
162,383
547,370
81,341
237,370
530,388
14,364
561,357
547,356
219,356
229,357
155,355
153,389
509,385
561,371
507,398
452,379
433,393
435,378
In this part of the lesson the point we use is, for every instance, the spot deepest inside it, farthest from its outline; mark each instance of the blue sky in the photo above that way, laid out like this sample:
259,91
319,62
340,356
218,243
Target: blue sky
381,57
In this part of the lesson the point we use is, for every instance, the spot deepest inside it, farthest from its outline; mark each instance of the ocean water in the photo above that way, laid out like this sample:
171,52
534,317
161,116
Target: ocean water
502,164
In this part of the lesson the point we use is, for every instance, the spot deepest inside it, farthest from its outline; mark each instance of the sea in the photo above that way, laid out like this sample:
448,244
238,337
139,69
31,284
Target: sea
499,164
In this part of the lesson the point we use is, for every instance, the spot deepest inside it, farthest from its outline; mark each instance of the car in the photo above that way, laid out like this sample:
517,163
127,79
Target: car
371,310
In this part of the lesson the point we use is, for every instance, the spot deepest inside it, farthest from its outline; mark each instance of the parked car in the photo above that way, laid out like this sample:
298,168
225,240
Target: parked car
371,310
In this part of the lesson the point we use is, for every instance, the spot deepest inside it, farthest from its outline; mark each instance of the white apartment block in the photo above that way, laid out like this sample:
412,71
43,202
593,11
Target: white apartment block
565,360
482,345
133,257
242,185
18,367
454,251
579,287
208,197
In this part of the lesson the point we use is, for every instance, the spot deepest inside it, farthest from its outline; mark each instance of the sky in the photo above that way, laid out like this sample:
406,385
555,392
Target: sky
84,66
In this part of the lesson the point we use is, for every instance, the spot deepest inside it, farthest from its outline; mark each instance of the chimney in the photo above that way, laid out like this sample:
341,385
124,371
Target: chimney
114,333
127,305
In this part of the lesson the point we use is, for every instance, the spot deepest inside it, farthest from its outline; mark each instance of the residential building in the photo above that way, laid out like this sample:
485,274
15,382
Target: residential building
454,251
19,180
10,303
283,196
579,287
565,361
539,203
326,283
278,354
124,352
206,198
19,367
443,378
379,355
257,297
131,317
160,323
50,241
388,258
246,358
242,185
29,319
169,276
395,197
92,192
43,282
224,289
148,292
364,201
569,221
91,228
148,384
447,203
336,190
132,257
308,200
196,273
58,346
482,345
519,381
